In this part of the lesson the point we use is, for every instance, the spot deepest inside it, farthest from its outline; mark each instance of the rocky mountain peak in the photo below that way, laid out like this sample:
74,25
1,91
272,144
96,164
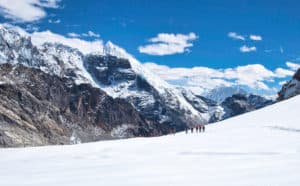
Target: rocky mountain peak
242,103
291,88
114,50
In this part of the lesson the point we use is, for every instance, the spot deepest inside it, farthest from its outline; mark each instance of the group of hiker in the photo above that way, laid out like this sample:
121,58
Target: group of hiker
198,129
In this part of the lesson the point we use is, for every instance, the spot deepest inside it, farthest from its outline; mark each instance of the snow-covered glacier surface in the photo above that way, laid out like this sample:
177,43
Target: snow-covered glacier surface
257,148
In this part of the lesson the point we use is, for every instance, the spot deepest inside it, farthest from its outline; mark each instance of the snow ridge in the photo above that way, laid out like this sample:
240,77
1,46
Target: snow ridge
160,85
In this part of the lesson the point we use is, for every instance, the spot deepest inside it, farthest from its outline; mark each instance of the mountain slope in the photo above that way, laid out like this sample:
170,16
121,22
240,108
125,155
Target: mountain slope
114,70
41,109
209,109
257,148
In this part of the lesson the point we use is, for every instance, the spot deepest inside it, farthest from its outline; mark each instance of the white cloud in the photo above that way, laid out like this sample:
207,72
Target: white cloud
168,44
31,28
39,38
54,21
236,36
281,83
199,79
292,65
88,34
72,34
281,72
26,10
255,37
253,76
245,48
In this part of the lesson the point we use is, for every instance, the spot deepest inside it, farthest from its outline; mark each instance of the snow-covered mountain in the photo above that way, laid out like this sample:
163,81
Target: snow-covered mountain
257,148
113,70
240,103
291,88
210,109
219,94
221,107
120,75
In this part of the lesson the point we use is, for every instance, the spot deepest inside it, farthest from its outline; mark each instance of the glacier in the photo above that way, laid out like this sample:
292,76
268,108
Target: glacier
257,148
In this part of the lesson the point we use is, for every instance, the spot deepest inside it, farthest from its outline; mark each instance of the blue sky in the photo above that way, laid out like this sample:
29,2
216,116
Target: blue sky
132,23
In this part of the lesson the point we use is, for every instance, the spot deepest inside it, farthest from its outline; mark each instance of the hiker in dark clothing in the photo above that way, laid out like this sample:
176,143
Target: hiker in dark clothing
186,130
203,128
200,128
192,130
197,128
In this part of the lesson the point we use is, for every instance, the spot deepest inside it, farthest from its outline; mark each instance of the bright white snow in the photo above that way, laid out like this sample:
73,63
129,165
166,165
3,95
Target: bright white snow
257,148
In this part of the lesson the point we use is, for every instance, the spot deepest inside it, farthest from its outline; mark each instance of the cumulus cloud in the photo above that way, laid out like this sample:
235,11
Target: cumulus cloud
281,72
200,79
292,65
168,44
26,10
252,76
236,36
245,48
255,37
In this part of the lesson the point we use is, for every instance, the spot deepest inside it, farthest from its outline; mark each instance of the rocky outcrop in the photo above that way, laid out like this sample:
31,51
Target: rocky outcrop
291,88
240,103
40,109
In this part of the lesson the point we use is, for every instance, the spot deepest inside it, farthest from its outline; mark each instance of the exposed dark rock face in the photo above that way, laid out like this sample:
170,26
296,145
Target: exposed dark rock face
239,103
109,69
291,88
38,109
258,102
